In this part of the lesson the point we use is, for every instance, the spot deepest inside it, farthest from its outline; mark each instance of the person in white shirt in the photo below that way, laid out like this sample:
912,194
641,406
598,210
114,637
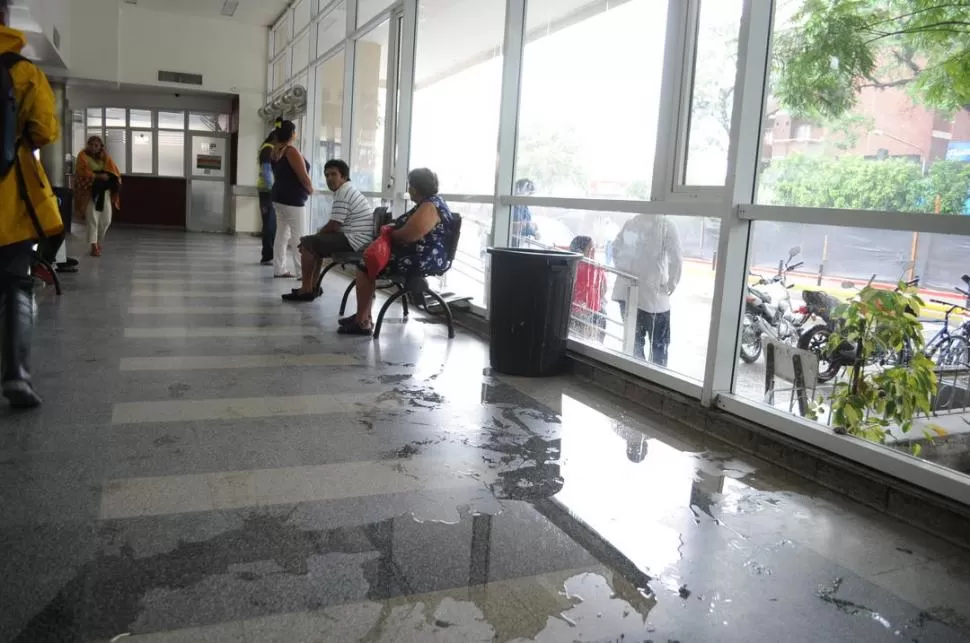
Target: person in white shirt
350,229
648,248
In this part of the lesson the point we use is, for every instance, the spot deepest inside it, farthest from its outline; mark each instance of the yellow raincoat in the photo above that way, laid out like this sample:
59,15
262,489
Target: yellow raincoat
38,117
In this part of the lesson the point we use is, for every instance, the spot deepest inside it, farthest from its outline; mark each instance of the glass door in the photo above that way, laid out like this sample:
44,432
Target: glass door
374,109
208,177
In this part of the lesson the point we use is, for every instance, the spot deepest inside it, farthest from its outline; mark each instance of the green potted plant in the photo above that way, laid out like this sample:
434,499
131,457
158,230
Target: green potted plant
889,382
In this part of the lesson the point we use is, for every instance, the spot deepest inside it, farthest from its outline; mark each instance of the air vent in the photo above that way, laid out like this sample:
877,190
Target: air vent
229,8
179,77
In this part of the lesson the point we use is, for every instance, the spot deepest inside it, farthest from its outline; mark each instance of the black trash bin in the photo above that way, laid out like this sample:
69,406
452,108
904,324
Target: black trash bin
531,297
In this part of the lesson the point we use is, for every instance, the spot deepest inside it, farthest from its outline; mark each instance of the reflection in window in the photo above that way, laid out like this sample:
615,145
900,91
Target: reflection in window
838,263
142,152
463,156
367,9
590,96
171,120
95,117
140,117
333,27
115,117
712,101
171,153
369,100
896,141
208,122
330,98
646,285
116,143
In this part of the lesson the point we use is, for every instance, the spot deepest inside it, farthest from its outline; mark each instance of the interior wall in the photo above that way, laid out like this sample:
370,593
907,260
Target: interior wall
230,55
93,36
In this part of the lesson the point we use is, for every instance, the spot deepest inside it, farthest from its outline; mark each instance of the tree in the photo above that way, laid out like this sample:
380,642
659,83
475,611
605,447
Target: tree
551,158
850,182
834,48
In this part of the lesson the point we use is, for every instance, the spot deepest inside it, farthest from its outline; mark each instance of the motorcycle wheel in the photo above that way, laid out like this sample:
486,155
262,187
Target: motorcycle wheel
751,343
816,341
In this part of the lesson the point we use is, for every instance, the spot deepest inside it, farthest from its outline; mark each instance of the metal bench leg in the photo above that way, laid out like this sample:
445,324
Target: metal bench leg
323,273
387,304
404,304
449,318
343,302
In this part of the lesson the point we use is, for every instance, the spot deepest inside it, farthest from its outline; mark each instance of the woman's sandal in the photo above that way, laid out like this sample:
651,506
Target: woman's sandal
285,275
355,328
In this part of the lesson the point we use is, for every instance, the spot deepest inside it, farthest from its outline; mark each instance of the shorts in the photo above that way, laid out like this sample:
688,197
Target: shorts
326,244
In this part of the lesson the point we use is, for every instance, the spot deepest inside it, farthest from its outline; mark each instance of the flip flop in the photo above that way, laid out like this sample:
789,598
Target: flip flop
299,296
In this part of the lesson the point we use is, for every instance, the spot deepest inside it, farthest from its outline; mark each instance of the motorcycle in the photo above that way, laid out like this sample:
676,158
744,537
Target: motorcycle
768,310
816,338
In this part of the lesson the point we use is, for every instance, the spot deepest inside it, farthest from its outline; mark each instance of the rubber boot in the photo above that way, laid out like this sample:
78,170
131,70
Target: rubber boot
16,326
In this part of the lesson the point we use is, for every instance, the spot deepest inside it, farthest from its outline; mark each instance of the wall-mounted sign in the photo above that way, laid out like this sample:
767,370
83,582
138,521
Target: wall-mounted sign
211,162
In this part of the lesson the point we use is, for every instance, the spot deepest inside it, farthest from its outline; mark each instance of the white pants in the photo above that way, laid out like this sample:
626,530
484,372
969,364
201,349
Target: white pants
98,222
290,226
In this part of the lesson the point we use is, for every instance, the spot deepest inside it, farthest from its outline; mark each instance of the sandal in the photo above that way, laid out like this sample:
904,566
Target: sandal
285,275
300,296
356,328
297,290
347,321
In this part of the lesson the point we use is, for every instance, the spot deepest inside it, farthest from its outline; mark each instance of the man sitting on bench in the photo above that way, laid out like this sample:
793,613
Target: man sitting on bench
350,229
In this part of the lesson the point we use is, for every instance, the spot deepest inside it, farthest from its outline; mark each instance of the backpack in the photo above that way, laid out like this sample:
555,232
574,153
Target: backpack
9,113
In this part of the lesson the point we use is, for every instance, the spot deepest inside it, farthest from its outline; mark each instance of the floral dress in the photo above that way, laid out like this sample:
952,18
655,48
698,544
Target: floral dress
428,255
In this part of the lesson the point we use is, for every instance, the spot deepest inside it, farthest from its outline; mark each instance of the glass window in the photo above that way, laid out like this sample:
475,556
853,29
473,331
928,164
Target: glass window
330,98
333,27
78,131
282,34
116,143
469,67
301,53
142,152
171,120
467,274
140,117
368,9
370,96
171,153
200,122
837,265
280,71
897,141
712,101
95,117
115,117
662,263
591,85
301,15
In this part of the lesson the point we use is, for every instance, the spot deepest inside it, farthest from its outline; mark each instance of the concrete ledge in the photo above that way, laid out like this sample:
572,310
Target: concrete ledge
935,514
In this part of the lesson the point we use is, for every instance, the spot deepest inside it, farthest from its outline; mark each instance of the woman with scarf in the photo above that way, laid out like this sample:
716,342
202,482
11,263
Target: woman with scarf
97,187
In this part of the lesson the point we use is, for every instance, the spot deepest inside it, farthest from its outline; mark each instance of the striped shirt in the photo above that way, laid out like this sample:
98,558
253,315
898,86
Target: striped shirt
353,212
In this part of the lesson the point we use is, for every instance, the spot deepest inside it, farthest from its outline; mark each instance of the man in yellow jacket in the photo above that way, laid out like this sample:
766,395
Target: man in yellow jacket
37,119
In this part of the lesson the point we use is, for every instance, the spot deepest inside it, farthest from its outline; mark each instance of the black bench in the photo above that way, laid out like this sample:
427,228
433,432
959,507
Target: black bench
382,217
414,286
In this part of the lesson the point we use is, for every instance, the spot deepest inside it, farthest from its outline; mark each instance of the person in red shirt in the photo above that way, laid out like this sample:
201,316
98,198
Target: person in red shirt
587,320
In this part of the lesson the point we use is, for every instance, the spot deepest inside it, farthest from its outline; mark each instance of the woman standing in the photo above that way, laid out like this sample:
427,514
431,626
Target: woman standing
97,190
291,189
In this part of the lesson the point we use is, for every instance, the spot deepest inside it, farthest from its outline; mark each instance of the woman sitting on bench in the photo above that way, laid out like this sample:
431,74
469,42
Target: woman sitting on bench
419,246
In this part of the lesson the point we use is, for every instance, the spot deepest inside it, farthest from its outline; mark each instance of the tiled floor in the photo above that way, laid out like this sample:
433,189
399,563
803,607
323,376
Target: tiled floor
213,465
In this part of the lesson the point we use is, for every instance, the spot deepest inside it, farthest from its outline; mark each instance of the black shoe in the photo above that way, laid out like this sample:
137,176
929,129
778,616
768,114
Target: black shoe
66,268
296,290
21,395
16,326
356,328
266,262
71,261
300,296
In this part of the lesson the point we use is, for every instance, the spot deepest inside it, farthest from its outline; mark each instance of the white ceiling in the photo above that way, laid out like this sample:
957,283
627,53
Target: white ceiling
252,12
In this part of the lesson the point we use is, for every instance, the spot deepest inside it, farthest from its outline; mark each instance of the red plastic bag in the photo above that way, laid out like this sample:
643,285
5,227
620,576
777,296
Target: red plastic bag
378,254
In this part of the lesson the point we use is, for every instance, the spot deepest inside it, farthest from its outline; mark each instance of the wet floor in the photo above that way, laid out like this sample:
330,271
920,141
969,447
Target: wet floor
214,466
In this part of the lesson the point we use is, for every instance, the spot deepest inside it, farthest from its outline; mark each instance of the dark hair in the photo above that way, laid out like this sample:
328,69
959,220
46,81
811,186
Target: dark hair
423,181
580,244
341,167
91,139
524,186
269,139
284,132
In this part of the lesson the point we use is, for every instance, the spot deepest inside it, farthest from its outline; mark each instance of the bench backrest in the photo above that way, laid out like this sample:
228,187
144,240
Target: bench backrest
382,217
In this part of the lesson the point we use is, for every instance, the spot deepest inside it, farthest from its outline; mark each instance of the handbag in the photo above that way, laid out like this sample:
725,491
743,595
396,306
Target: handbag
378,253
